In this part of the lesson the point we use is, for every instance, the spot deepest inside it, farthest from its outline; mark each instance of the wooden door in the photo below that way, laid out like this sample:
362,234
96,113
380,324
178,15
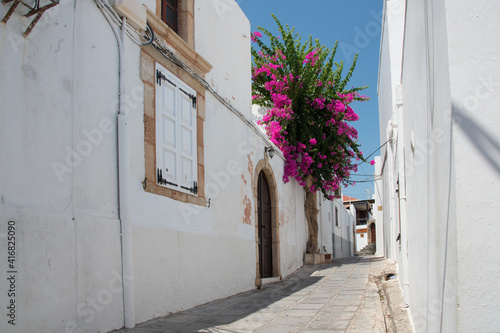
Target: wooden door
373,233
265,227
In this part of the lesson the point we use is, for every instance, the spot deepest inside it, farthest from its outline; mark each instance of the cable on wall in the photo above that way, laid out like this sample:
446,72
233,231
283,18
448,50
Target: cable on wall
112,16
376,150
164,50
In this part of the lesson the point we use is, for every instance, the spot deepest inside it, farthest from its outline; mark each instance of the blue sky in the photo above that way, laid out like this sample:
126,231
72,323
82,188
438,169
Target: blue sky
356,25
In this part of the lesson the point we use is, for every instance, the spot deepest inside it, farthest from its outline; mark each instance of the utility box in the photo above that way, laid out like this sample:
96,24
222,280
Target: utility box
133,10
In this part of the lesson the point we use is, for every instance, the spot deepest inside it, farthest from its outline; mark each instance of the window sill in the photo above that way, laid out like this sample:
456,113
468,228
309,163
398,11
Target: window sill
153,188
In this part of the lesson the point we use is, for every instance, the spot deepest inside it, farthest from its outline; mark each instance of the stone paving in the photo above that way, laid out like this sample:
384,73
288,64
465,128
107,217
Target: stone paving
336,297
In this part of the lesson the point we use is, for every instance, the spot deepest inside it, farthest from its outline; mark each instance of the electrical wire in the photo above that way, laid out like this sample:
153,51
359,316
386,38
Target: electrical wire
364,176
112,16
376,150
149,38
362,181
150,32
167,53
376,177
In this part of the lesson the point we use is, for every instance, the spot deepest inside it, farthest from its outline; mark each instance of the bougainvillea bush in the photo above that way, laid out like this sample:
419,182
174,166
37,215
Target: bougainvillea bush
309,114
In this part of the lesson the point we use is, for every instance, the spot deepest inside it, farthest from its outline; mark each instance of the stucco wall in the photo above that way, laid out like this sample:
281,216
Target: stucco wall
475,75
378,208
56,131
58,148
333,239
361,241
447,129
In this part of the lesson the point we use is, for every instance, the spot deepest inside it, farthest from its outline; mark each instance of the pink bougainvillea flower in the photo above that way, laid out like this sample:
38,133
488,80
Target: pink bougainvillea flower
255,35
313,141
311,58
372,162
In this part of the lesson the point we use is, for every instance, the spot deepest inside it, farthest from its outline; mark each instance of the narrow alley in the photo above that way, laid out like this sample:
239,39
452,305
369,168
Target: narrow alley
339,297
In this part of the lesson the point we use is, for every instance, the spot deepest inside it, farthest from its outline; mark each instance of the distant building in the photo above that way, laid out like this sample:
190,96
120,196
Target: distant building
366,228
336,228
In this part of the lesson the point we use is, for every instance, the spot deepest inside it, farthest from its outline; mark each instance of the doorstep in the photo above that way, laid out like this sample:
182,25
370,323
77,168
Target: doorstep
270,280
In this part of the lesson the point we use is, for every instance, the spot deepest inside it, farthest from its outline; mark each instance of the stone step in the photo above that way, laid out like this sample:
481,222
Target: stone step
369,249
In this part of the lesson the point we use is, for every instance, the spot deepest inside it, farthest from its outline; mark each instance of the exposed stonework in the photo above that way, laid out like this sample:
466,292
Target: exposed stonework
250,169
183,46
265,166
248,211
185,17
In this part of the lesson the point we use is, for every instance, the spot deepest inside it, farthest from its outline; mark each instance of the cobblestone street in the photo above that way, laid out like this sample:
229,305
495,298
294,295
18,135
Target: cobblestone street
339,297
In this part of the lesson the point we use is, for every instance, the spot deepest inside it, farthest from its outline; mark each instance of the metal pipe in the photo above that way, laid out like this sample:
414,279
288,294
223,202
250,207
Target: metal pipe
123,157
123,183
124,190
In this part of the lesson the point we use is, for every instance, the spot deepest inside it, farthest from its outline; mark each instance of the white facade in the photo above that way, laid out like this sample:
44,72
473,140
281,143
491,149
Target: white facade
60,183
378,210
361,237
336,235
438,96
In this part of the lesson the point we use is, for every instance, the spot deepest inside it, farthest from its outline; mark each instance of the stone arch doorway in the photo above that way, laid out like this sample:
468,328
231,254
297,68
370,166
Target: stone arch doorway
266,222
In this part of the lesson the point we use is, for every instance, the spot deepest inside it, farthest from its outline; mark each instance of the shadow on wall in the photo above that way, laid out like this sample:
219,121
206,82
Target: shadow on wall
484,142
341,246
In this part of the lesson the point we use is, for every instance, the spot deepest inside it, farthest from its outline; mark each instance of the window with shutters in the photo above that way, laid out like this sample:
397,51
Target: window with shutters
176,143
174,114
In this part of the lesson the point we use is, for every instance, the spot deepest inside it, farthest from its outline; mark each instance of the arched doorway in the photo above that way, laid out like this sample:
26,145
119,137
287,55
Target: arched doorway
373,233
265,232
265,194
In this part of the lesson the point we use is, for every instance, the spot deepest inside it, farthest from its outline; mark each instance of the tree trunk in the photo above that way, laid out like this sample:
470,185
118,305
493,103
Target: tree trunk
311,210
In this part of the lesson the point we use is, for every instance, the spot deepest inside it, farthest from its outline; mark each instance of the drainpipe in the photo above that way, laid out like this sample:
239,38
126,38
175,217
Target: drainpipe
402,195
124,186
123,179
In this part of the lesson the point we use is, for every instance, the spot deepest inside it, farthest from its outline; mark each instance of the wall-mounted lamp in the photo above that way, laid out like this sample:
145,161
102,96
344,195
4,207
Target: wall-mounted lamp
270,151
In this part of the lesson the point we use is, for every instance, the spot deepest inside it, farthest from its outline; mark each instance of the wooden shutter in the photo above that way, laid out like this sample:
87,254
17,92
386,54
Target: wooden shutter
187,126
176,142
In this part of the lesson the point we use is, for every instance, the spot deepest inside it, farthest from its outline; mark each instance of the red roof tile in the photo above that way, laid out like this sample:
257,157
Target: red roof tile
346,198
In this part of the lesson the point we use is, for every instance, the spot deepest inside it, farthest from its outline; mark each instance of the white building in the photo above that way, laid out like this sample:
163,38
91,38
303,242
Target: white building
132,177
336,228
438,99
378,211
189,235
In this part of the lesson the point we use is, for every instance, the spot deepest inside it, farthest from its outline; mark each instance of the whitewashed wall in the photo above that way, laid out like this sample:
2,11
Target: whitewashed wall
55,93
389,77
448,130
333,239
58,97
378,208
473,34
361,238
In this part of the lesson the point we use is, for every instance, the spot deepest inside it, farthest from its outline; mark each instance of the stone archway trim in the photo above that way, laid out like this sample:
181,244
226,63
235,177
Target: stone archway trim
265,166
